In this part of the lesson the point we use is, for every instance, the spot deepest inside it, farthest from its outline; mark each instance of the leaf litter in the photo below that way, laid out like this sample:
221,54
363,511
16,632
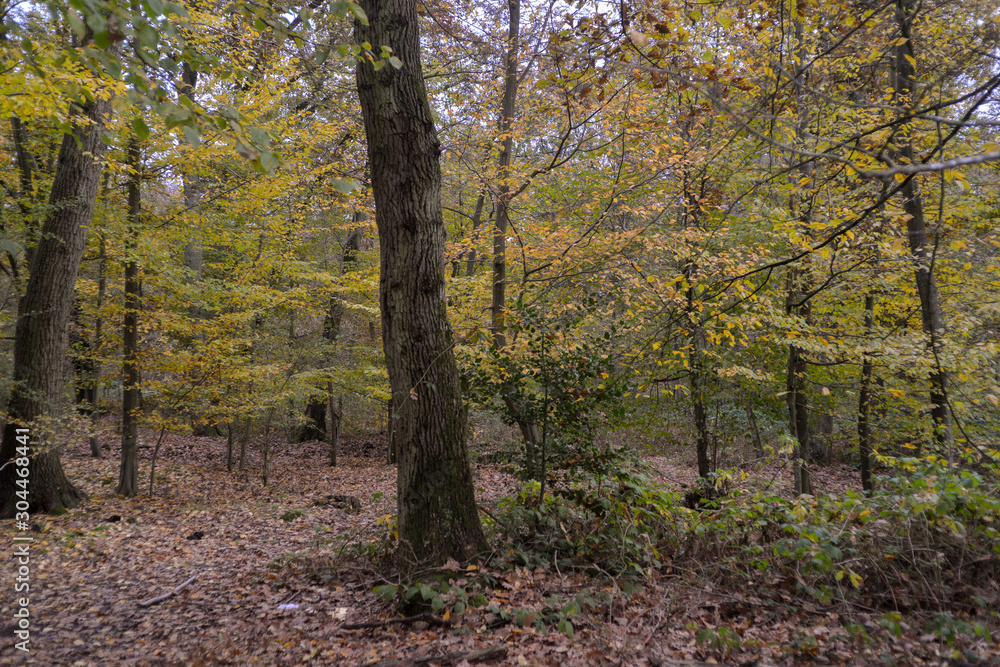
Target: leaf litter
268,583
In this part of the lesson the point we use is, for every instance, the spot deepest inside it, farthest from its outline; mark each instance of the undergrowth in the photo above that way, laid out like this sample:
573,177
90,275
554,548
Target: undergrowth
917,545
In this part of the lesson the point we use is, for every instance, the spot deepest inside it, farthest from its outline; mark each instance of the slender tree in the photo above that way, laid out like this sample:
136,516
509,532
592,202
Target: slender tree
128,478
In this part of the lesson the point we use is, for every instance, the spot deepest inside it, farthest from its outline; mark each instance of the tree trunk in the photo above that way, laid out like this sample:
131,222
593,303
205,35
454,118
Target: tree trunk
697,361
932,317
315,426
128,477
864,405
82,356
437,513
506,123
532,435
477,222
193,251
798,302
243,444
43,313
27,168
758,444
336,411
102,283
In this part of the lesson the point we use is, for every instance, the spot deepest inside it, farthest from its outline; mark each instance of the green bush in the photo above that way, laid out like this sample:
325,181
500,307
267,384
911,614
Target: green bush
930,528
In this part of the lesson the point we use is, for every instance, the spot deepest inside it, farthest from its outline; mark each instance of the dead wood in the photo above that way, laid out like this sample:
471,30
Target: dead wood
160,598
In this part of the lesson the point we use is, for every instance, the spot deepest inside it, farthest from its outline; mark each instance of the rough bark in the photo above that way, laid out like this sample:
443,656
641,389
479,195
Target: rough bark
41,336
931,315
128,476
437,511
864,404
506,124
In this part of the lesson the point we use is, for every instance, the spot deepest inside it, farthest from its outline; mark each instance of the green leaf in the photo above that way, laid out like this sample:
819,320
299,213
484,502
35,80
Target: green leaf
259,137
148,36
386,592
379,64
269,161
177,9
359,13
191,134
346,187
321,56
395,62
10,246
140,129
76,23
102,39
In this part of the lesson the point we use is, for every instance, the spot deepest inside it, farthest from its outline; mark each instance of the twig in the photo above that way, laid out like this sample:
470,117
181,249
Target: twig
478,655
291,597
160,598
426,618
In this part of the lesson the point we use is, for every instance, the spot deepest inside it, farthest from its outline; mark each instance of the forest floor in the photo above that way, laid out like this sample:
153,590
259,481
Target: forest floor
272,587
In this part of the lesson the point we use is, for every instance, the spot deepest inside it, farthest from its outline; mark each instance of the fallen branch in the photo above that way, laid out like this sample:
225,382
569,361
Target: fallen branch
478,655
426,618
160,598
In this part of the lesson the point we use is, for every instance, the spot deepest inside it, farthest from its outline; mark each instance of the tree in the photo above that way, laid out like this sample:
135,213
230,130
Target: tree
437,516
128,477
44,311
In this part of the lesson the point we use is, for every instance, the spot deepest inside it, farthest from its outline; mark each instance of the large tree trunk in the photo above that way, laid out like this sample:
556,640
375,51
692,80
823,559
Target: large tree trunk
932,317
128,477
42,330
437,510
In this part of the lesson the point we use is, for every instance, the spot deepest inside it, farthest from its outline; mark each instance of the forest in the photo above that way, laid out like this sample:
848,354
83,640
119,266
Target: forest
514,332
